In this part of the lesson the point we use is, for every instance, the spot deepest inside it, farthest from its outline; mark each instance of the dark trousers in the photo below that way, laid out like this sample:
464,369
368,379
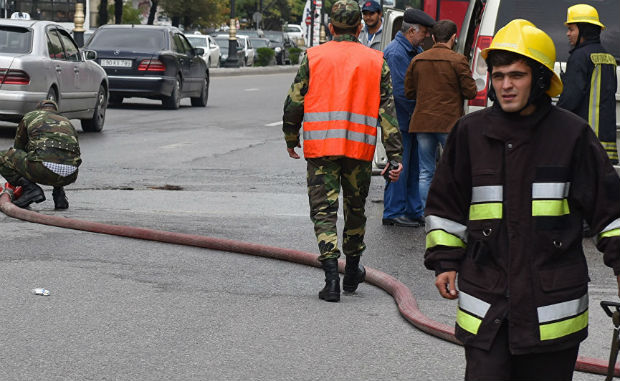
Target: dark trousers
499,364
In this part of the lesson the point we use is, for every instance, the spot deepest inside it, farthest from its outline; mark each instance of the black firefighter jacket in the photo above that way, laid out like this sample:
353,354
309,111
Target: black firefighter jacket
506,209
590,85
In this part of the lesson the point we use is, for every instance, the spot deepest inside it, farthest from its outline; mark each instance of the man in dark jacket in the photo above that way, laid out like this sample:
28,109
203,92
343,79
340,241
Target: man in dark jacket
590,80
505,212
46,151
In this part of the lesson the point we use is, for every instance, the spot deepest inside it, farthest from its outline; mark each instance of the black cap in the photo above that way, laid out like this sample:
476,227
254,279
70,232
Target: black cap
416,16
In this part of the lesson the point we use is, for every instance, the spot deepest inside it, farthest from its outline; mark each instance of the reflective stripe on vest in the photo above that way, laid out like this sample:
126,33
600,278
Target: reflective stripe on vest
611,230
598,59
444,232
549,199
612,149
562,319
486,202
470,313
341,107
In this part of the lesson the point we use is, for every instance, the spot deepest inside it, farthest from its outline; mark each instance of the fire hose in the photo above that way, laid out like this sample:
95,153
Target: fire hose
406,302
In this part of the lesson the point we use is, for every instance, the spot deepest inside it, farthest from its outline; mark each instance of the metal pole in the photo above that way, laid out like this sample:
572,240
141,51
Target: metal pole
232,60
78,21
312,11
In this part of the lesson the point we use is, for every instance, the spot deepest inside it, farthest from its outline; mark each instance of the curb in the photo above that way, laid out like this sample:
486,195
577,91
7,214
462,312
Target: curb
258,70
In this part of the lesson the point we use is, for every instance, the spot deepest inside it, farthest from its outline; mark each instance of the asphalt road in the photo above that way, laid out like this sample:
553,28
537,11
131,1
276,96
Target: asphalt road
127,309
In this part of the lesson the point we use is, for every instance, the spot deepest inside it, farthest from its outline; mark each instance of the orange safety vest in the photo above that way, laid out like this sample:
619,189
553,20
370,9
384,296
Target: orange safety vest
341,107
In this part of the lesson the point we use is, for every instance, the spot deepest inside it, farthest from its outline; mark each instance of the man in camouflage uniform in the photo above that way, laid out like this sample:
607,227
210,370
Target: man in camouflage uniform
334,68
46,151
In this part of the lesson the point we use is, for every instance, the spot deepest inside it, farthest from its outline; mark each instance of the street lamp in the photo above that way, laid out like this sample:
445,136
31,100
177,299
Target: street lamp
78,21
232,60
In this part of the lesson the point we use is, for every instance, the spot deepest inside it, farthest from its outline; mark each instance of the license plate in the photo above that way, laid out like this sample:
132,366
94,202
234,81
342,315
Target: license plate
116,63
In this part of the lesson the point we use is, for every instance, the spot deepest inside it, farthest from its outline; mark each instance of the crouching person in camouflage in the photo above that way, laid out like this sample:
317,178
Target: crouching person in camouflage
46,151
342,93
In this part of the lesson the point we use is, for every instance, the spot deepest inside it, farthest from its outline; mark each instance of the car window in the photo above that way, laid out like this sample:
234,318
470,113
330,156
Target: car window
15,40
178,44
547,16
123,38
198,42
72,53
186,45
54,46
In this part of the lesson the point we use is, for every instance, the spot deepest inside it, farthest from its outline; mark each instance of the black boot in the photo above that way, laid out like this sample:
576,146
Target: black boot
354,274
60,199
31,192
331,291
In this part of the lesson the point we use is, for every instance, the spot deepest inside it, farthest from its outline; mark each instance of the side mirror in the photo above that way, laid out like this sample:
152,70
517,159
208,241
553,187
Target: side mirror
199,51
90,55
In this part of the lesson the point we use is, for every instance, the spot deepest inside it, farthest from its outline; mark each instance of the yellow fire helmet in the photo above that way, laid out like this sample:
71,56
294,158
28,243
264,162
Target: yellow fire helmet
522,37
583,13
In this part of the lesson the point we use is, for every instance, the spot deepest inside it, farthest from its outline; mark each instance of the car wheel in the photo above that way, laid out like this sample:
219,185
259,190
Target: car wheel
96,123
173,102
115,100
52,95
201,101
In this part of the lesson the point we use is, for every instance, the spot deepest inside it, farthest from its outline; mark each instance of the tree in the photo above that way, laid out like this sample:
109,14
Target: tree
152,12
196,13
103,12
130,15
118,11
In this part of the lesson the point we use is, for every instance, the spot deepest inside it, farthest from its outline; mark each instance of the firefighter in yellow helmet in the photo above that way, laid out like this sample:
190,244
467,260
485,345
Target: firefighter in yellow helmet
505,216
590,79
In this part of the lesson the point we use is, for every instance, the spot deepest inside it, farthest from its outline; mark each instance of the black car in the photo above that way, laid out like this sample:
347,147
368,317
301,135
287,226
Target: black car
149,61
281,43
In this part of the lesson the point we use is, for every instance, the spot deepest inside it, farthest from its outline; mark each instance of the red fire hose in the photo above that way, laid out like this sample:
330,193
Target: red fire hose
403,297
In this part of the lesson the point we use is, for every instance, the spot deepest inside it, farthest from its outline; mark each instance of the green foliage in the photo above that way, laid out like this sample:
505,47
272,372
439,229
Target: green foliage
131,15
197,14
293,54
264,56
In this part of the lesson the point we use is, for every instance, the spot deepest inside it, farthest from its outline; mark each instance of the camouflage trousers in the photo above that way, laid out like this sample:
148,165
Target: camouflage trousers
16,163
326,175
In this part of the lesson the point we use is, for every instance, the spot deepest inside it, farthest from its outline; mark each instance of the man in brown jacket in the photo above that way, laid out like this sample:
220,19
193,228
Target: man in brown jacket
438,79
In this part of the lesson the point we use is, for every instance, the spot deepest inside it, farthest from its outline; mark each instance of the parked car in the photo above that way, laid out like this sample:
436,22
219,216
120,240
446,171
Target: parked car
223,42
248,50
295,34
40,60
155,62
282,44
212,50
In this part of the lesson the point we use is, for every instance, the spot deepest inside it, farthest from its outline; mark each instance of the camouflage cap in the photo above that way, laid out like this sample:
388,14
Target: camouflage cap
47,103
346,14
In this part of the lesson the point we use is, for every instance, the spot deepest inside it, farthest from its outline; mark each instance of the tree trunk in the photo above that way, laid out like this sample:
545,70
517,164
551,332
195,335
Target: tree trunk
118,11
152,12
103,12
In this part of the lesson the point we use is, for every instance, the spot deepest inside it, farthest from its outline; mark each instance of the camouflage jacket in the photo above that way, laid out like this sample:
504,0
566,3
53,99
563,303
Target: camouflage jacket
294,108
48,136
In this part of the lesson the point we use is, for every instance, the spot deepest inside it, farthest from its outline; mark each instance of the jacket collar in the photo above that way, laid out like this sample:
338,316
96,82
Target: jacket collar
507,126
596,40
345,37
409,48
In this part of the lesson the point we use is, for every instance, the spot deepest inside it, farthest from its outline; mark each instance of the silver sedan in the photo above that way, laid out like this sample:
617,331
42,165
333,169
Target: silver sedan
39,60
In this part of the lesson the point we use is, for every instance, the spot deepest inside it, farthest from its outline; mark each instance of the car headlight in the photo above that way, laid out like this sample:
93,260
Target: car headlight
278,49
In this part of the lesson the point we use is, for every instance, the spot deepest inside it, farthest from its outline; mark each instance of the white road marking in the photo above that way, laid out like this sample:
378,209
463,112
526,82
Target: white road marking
274,124
252,89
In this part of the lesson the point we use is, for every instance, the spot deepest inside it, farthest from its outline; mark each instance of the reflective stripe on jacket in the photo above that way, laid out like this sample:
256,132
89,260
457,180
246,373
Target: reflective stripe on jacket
505,211
341,108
